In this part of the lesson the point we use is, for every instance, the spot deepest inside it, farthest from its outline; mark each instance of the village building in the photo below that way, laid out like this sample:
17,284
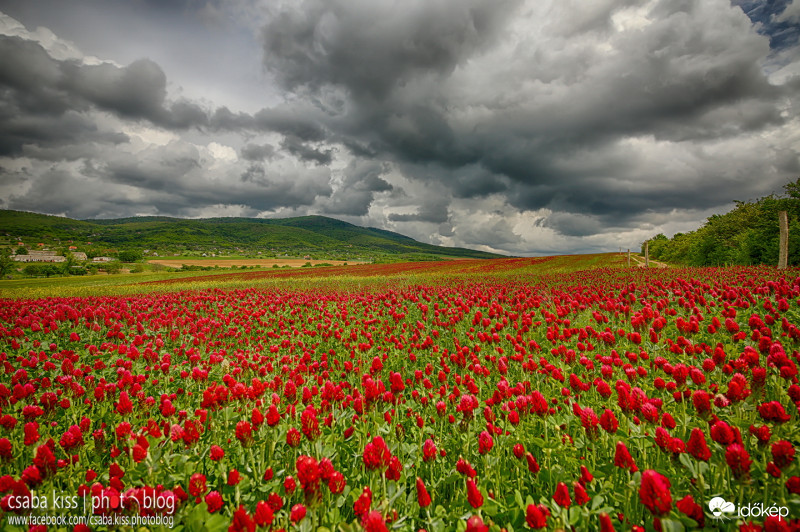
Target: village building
36,255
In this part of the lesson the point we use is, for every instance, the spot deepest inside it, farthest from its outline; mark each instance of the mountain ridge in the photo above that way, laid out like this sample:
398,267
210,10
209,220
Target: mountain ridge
303,234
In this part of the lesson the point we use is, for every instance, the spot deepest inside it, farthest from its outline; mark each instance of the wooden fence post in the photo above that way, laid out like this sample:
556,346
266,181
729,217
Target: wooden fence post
783,256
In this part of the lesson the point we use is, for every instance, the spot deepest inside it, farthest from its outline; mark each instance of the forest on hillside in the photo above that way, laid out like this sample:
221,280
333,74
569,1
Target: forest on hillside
747,235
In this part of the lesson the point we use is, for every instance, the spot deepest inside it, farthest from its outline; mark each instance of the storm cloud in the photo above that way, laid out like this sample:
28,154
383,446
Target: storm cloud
525,127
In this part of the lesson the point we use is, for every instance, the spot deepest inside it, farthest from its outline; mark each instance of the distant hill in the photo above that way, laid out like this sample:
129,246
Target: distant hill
301,235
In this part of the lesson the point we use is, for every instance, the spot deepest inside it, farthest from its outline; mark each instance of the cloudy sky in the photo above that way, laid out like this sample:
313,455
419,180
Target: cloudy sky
526,127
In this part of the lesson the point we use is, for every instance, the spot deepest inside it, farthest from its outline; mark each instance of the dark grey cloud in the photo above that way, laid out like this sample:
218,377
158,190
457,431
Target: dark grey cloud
362,180
172,179
37,84
372,47
304,152
433,210
257,152
519,125
475,103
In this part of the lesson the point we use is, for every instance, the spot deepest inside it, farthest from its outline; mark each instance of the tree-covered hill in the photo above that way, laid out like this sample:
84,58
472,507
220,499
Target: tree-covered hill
306,234
748,235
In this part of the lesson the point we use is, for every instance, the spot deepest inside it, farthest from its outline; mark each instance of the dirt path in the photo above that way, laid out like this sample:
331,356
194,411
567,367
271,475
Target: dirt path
653,263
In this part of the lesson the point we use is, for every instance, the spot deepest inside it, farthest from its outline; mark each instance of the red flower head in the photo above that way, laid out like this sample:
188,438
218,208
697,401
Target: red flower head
273,416
428,450
697,445
586,476
475,524
581,497
605,523
485,442
337,482
45,460
623,458
464,467
519,451
782,453
394,469
242,521
373,522
32,476
298,513
609,422
139,453
308,473
692,510
124,406
214,501
423,498
257,417
654,493
773,411
722,433
244,433
197,484
31,433
474,495
293,437
590,422
561,495
289,484
310,423
376,454
264,514
275,502
793,485
233,477
761,433
533,465
6,450
702,402
363,503
216,453
536,516
738,459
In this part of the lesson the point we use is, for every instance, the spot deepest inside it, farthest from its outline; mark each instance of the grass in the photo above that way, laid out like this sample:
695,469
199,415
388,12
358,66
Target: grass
355,277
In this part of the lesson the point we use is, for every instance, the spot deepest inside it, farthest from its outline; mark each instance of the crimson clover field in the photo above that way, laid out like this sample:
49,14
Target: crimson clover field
550,393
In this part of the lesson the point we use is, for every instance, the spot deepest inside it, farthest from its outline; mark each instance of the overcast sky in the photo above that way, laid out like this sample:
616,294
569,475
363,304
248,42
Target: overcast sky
525,127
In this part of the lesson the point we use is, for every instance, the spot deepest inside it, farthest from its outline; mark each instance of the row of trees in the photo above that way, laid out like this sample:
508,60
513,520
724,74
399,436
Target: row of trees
747,235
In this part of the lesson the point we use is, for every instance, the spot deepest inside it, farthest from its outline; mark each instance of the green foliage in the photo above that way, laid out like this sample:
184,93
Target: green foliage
22,250
130,255
41,270
305,235
6,264
747,235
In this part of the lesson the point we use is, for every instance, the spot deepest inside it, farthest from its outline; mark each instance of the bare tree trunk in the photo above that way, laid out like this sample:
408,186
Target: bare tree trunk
783,257
629,257
647,254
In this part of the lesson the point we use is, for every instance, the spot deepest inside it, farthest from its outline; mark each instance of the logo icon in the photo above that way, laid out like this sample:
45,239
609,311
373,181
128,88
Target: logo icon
720,508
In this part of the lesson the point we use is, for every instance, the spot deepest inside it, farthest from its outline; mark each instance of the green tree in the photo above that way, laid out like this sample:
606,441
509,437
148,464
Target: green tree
22,250
793,189
130,255
36,270
6,264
